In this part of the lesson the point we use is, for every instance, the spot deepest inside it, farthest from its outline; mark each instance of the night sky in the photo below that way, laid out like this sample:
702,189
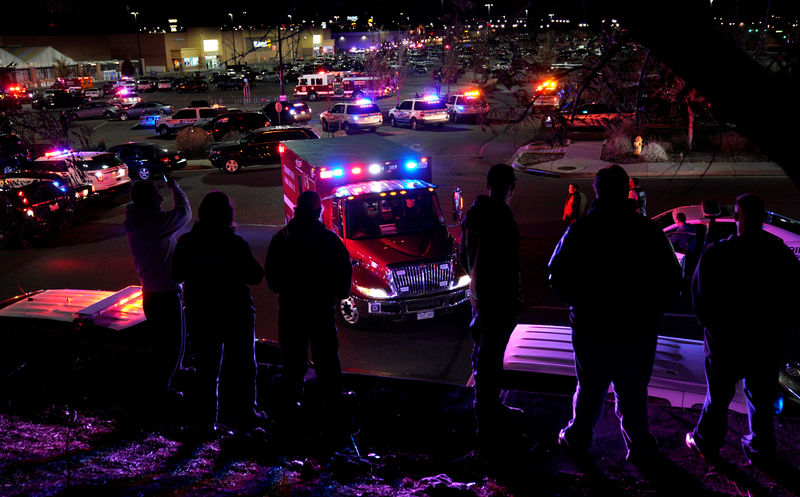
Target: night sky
92,16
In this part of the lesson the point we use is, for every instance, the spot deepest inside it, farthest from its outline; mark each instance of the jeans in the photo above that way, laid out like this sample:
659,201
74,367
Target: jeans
490,333
760,388
167,336
296,333
628,367
224,345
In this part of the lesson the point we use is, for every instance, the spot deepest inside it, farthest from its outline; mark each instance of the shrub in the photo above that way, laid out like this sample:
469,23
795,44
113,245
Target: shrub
618,145
732,142
193,142
654,152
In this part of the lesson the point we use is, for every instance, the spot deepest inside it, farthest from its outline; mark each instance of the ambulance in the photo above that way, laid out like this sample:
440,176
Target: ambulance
378,197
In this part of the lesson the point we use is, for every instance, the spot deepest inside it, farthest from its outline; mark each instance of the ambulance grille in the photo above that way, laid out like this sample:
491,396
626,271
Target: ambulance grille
424,278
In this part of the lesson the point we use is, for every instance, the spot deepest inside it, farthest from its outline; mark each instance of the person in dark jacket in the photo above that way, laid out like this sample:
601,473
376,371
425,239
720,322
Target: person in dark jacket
489,252
613,322
744,292
309,268
216,266
151,238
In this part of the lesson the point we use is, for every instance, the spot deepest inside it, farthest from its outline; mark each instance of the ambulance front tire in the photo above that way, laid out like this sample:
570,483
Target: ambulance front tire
313,96
231,166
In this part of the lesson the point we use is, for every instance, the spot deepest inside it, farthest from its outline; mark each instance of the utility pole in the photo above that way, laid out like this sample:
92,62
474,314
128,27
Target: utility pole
138,42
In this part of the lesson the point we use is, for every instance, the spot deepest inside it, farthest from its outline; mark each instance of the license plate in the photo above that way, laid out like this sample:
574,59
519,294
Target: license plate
424,315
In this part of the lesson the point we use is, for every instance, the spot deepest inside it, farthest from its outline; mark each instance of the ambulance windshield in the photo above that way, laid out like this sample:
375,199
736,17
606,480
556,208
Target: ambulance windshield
374,216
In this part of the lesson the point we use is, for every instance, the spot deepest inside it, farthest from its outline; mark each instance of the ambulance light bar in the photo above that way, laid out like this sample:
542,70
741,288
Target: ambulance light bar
373,169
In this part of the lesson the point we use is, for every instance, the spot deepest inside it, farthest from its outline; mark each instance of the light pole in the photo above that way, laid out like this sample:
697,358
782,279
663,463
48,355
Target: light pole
489,10
233,41
138,42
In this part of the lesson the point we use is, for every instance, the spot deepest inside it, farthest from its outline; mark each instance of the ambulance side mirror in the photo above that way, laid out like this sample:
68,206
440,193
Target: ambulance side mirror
458,205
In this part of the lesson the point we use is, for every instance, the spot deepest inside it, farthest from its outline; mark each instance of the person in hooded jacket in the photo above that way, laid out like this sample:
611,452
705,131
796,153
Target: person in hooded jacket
308,266
489,252
216,266
614,323
151,238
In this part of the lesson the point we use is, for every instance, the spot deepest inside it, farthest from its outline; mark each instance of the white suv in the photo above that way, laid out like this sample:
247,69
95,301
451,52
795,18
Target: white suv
106,172
189,116
469,103
362,114
417,112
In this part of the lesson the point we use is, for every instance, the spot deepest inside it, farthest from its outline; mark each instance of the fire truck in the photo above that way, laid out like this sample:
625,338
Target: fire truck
341,84
378,197
79,83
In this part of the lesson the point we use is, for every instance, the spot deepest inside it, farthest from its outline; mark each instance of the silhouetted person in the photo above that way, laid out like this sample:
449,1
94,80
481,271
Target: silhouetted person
637,194
744,293
216,266
613,321
489,252
151,237
309,268
576,205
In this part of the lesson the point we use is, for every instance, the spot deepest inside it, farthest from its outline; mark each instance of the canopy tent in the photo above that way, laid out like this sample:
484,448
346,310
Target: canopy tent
7,58
37,56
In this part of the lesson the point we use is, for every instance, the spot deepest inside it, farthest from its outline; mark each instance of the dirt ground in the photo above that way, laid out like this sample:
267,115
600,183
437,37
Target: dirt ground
73,433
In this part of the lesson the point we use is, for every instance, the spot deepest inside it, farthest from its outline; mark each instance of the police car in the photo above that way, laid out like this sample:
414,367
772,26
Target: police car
106,172
418,112
362,114
469,103
711,222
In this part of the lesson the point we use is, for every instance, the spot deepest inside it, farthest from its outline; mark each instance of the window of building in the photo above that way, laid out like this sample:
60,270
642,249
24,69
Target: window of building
191,61
210,45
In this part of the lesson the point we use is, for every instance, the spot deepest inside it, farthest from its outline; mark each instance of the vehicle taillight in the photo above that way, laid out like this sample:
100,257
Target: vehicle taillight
281,149
165,160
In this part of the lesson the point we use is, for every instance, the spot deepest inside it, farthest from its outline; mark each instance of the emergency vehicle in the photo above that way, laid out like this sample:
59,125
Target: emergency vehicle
341,84
545,95
80,83
378,197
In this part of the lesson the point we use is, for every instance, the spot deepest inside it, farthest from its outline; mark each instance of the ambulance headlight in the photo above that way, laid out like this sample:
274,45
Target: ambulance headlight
373,293
462,282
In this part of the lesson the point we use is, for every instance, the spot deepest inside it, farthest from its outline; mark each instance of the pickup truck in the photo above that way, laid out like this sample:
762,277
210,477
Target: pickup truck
188,116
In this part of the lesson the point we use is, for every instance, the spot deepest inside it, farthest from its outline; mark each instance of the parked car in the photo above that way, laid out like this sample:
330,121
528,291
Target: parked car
165,84
146,160
56,99
12,152
146,84
144,107
241,122
106,172
192,86
188,116
469,103
94,110
418,112
32,206
258,147
292,112
228,83
594,116
93,92
268,76
359,115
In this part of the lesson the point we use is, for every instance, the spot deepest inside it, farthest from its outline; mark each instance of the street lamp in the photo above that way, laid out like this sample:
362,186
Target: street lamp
138,41
489,10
